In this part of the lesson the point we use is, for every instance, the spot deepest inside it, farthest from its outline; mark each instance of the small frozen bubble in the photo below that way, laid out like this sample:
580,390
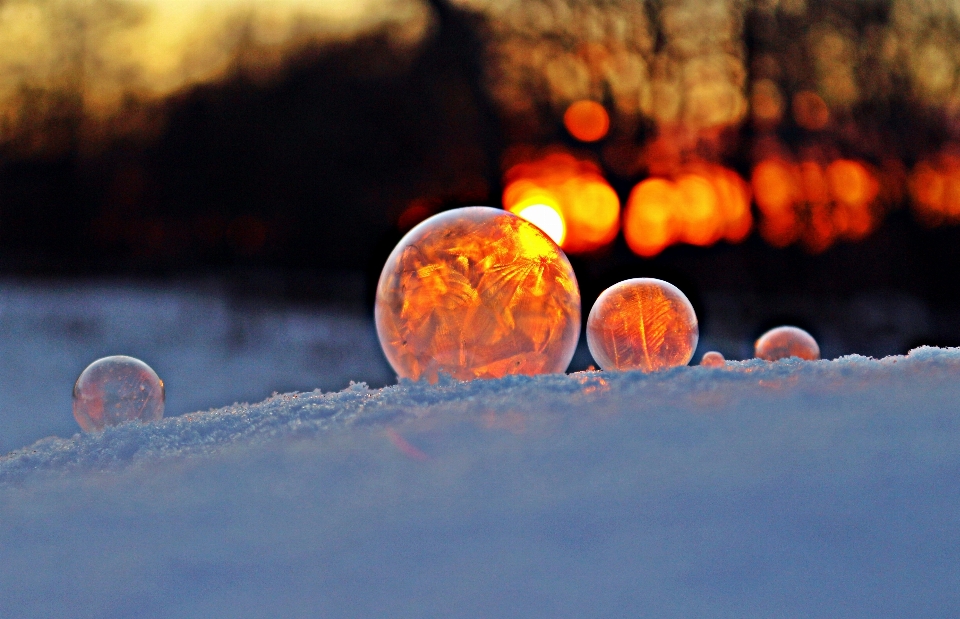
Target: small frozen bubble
116,389
712,359
784,342
644,323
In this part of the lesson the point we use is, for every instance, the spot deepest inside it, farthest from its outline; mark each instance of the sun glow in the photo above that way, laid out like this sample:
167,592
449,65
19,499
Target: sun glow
575,190
547,219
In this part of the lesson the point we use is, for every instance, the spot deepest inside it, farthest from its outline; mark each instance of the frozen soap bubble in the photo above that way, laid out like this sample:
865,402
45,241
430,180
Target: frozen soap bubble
116,389
712,359
477,292
643,323
783,342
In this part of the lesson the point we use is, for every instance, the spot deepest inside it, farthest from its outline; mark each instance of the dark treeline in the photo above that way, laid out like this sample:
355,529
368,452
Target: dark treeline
311,170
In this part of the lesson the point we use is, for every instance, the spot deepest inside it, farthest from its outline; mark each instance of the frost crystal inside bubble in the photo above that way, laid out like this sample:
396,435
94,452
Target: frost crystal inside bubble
477,293
116,389
644,324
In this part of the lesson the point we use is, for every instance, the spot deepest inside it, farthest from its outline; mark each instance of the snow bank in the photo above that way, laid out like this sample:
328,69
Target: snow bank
209,348
791,489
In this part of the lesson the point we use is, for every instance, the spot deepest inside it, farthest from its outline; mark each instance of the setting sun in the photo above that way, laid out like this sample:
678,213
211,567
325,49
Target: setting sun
575,190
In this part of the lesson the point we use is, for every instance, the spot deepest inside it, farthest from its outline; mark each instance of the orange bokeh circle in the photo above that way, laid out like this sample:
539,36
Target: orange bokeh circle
587,121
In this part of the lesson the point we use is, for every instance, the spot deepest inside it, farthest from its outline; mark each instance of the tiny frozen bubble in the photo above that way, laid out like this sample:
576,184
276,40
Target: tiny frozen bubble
712,359
116,389
784,342
644,323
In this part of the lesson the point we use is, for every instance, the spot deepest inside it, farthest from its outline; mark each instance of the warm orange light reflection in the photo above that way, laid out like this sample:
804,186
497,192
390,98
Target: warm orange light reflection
587,121
815,204
575,189
477,293
702,206
935,189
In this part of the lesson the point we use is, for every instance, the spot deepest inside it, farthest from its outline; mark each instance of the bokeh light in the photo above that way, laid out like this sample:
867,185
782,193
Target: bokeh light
766,102
784,342
815,204
116,389
935,189
573,188
810,111
477,292
642,323
587,121
701,206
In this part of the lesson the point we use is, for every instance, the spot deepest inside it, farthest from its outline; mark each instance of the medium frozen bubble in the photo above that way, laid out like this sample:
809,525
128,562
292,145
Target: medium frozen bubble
643,323
116,389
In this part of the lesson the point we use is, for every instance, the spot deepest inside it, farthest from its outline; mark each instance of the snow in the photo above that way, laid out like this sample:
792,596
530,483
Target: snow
210,347
791,489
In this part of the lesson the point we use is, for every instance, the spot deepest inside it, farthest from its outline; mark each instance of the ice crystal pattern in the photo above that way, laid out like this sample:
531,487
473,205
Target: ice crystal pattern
643,323
116,389
477,292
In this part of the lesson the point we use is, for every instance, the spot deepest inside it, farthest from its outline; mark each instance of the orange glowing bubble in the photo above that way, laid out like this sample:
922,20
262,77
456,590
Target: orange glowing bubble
784,342
477,292
642,323
116,389
587,121
712,359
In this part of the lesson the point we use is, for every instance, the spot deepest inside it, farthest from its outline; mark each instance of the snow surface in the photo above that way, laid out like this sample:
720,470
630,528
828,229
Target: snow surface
209,347
792,489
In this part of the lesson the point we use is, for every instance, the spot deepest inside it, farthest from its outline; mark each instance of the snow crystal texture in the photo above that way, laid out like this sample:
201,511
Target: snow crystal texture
791,489
209,348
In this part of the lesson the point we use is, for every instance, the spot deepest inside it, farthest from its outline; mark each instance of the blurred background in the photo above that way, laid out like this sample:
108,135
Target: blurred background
213,185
